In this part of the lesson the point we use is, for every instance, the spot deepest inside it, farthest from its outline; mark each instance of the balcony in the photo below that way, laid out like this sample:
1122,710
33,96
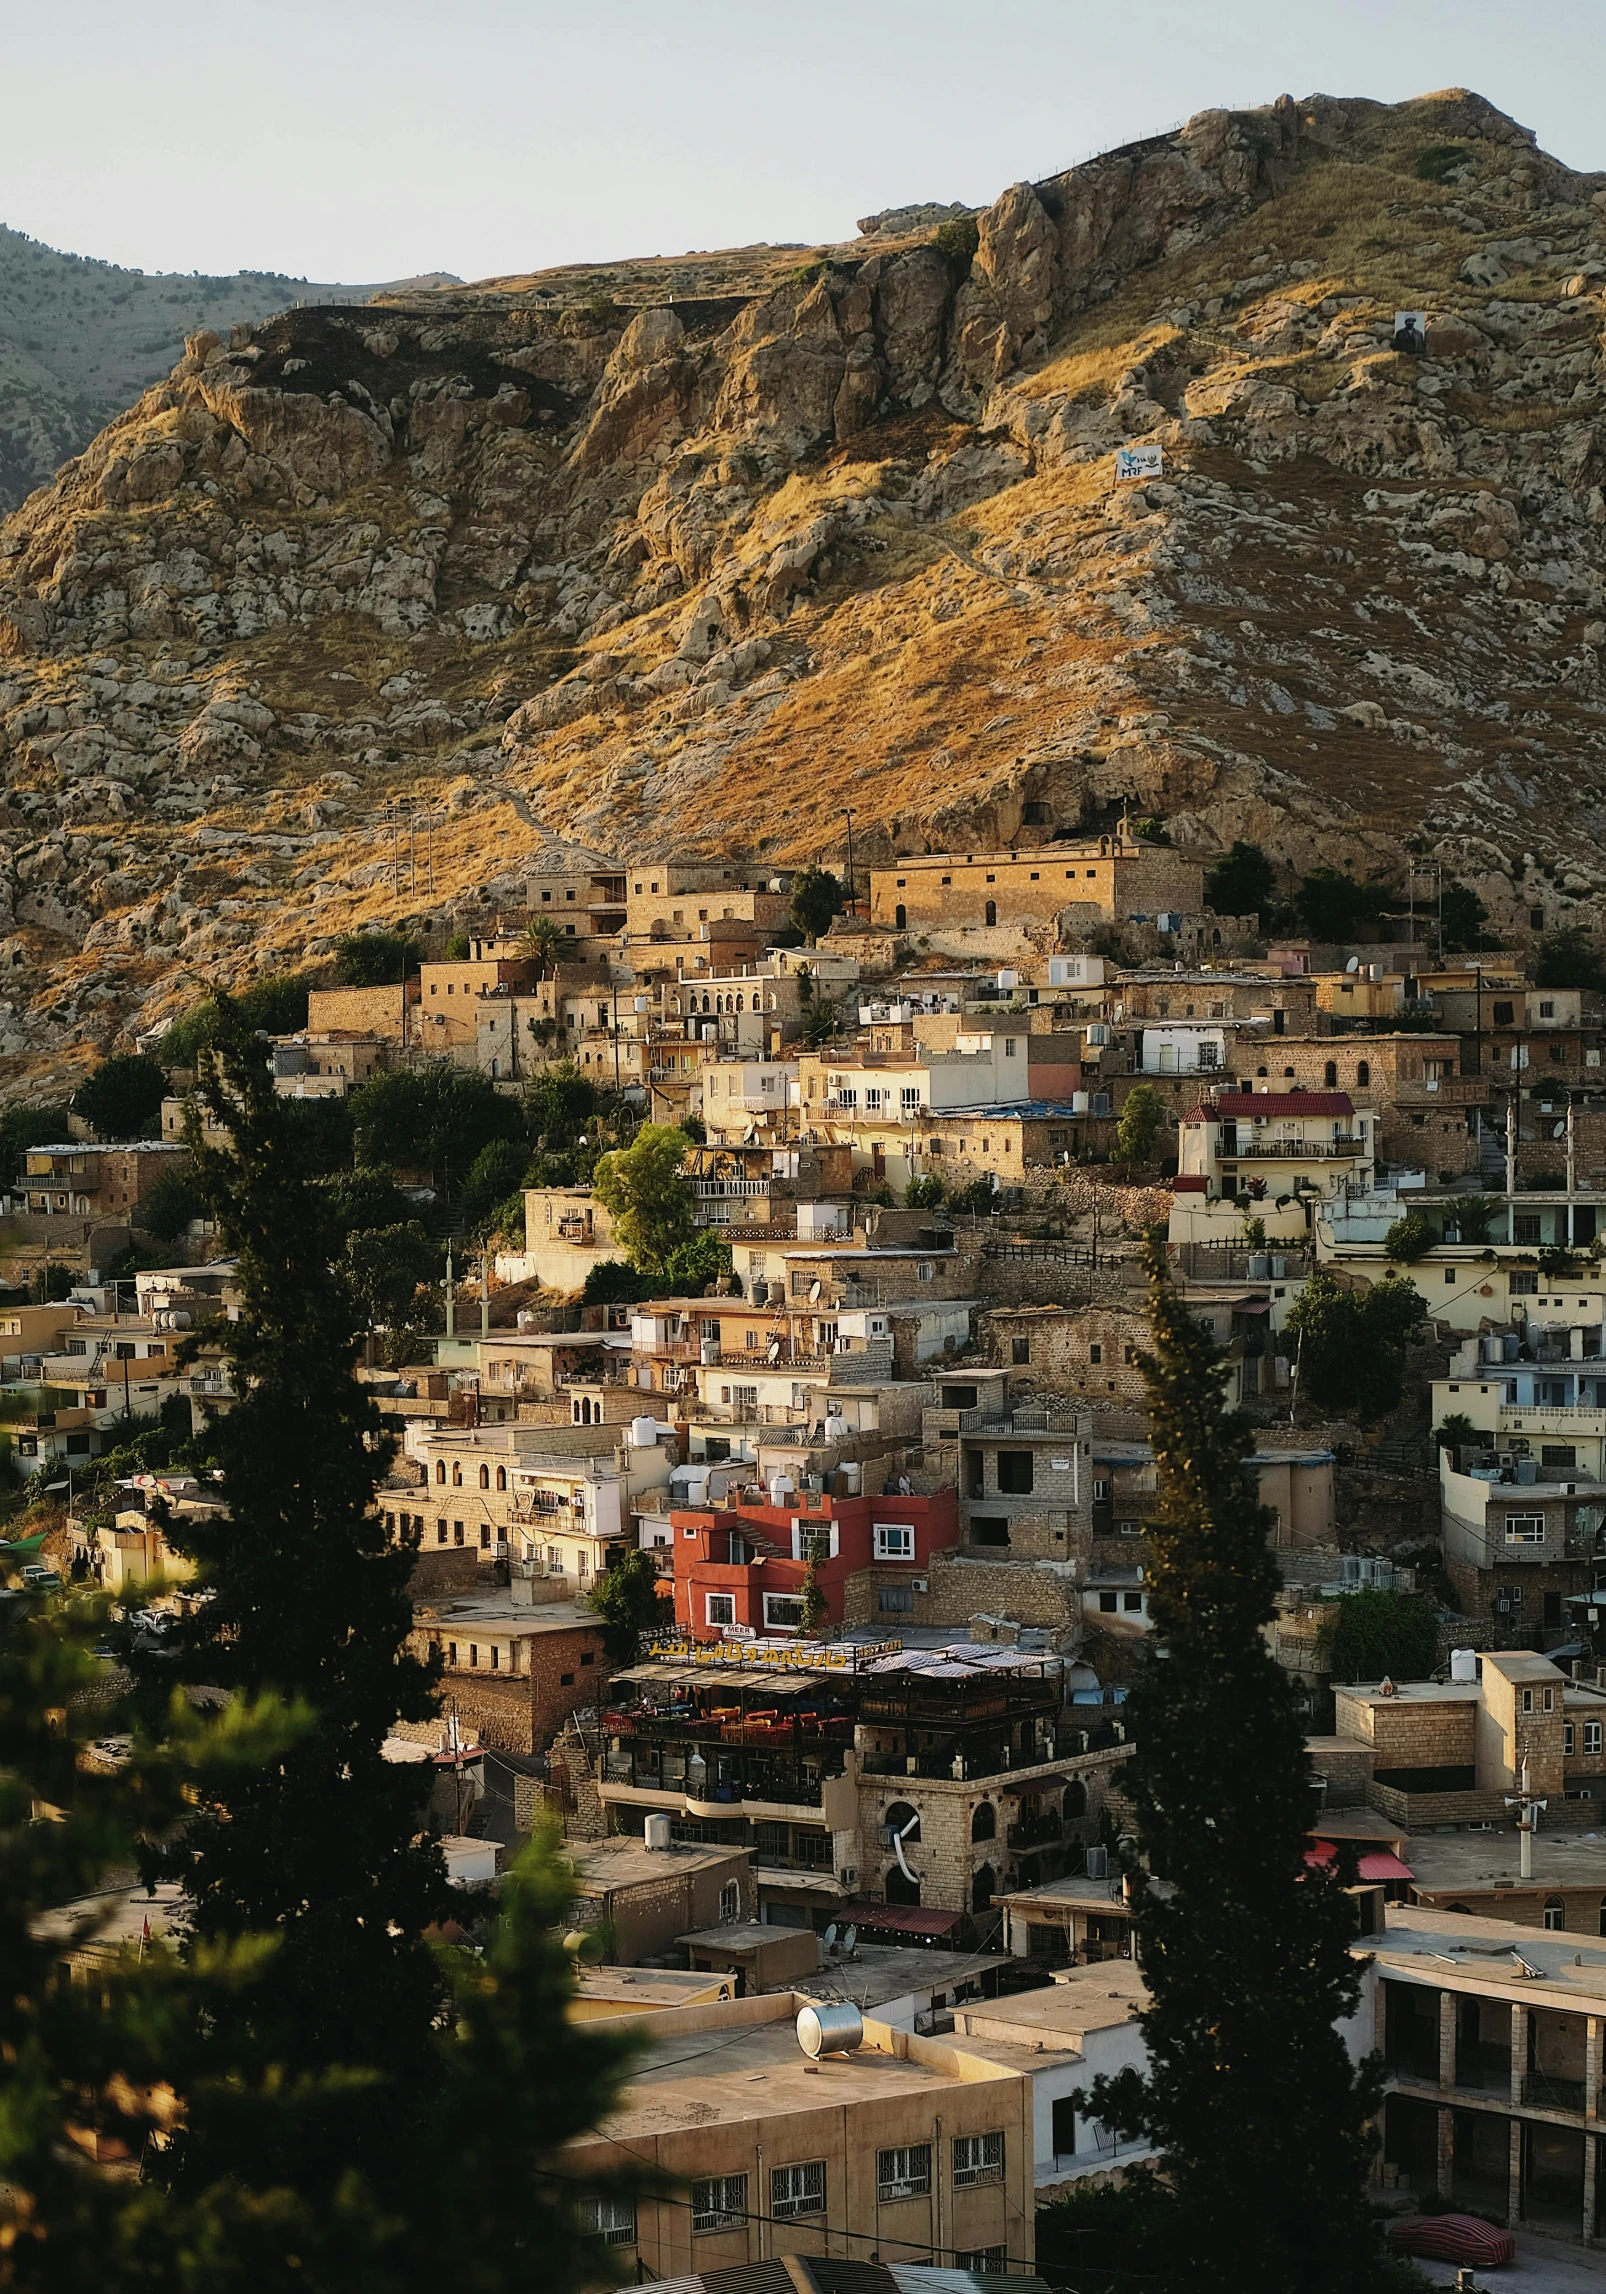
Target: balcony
730,1190
1294,1151
1483,2069
1552,1418
1544,2091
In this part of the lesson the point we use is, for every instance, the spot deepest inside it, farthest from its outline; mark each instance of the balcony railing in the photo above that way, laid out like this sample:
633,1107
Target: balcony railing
744,1190
1546,2092
1484,2068
1294,1150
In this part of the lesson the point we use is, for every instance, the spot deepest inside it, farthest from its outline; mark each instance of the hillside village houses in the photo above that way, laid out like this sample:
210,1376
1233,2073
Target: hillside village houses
893,1474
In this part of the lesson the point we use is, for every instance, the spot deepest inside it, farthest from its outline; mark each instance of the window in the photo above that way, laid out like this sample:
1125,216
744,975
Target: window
904,2172
501,1477
783,1612
611,2219
903,1820
485,1477
894,1541
1504,1014
1020,1350
1095,1352
440,1469
440,1531
988,2261
1592,1735
1363,1071
730,1902
1567,1735
797,2190
1131,1601
1525,1227
1525,1529
719,2204
978,2159
910,1095
1107,1604
721,1608
1555,1912
895,1600
984,1821
1015,1473
1523,1285
457,1533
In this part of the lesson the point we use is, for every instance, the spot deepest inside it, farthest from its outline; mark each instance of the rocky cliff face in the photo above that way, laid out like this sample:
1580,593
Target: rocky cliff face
689,555
79,339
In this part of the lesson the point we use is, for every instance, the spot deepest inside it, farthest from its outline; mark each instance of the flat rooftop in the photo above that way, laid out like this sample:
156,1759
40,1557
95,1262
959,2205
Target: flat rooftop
1435,1946
753,2072
879,1973
1486,1861
1056,2020
495,1611
623,1862
1078,1892
647,1988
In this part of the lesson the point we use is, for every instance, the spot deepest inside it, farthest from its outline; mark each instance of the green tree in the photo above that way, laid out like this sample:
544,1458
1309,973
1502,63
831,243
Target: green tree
613,1282
1462,917
387,1269
1569,959
1379,1633
375,959
324,1850
1456,1431
496,1171
923,1194
1332,906
276,1004
816,898
1141,1120
1259,2117
1409,1238
23,1127
123,1098
1470,1215
820,1022
436,1119
703,1258
456,949
641,1188
1242,883
364,1197
815,1610
1352,1343
169,1207
629,1598
559,1104
544,943
958,239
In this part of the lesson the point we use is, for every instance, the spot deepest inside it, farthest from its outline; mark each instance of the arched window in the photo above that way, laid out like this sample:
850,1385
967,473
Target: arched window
900,918
1075,1800
485,1477
440,1469
900,1890
457,1475
981,1888
899,1815
1555,1912
740,1006
989,914
1330,1073
1363,1071
984,1823
501,1477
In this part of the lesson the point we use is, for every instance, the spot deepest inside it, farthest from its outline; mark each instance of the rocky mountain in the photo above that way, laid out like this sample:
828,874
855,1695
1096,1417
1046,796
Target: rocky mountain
690,554
80,339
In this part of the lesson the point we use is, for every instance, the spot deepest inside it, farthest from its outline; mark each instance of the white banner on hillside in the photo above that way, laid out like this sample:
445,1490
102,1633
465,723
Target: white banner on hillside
1139,461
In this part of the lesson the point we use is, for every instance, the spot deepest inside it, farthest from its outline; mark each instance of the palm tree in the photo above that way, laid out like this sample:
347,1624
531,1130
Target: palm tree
543,941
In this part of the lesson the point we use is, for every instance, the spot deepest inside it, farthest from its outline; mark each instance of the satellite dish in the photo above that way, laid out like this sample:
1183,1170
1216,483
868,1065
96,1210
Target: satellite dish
1353,965
830,1937
850,1941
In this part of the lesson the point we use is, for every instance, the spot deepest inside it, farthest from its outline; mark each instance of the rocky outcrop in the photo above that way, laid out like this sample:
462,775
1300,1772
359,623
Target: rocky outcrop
694,565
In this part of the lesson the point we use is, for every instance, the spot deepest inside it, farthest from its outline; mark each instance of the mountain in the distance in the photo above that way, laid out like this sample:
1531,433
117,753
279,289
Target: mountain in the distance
79,341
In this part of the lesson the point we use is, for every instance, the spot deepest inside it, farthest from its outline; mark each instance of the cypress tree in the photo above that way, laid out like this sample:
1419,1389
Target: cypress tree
318,2074
1259,2117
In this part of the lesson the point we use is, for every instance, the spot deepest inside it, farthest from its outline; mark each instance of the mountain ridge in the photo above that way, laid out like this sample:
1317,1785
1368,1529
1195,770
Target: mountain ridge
692,554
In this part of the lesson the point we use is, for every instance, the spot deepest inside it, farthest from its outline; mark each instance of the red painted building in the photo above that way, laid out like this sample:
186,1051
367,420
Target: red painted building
744,1565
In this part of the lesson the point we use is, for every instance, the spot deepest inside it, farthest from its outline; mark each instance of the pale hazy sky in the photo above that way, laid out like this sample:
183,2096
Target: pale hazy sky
355,140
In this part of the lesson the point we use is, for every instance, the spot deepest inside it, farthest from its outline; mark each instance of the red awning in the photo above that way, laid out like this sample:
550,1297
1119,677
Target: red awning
1371,1864
901,1919
1188,1184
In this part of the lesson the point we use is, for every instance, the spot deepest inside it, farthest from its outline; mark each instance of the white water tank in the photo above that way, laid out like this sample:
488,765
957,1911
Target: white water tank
833,2027
656,1832
782,1487
1463,1664
1081,1101
643,1433
852,1475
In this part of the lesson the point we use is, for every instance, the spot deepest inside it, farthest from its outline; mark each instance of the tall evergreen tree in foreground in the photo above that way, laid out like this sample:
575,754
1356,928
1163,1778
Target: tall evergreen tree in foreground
320,2075
1259,2117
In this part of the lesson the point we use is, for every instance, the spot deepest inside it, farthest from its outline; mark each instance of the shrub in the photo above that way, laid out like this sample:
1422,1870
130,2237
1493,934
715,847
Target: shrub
614,1282
1409,1238
1380,1632
375,959
1241,883
1440,160
957,241
123,1098
923,1194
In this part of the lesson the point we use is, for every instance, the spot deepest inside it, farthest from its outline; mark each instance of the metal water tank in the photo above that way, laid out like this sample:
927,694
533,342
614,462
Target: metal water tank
656,1832
1260,1266
834,2027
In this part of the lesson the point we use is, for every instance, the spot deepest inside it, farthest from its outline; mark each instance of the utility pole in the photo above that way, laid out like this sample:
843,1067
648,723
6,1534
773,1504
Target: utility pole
1527,1807
451,1293
848,815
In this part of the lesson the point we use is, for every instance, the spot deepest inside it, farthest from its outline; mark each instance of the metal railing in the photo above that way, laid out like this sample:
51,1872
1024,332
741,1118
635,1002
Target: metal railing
1293,1150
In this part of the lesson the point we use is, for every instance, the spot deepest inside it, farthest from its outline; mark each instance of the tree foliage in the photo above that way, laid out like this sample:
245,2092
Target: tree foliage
170,1205
276,1004
1379,1632
1569,959
1140,1123
392,1271
1352,1343
817,897
1333,906
1259,2117
629,1598
1409,1238
123,1098
641,1188
375,959
1242,883
1470,1215
26,1125
1462,917
436,1119
614,1282
704,1257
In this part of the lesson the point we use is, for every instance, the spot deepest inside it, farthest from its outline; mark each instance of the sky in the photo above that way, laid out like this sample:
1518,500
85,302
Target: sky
352,141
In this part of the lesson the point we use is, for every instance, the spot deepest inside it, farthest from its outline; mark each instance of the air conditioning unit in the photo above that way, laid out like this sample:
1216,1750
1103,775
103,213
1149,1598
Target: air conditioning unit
921,1585
1097,1863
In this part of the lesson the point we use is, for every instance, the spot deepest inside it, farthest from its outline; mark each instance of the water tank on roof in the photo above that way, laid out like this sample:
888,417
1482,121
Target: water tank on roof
1279,1266
1259,1266
1463,1664
1081,1101
833,2027
782,1487
643,1433
527,1320
656,1832
853,1476
696,1489
1527,1469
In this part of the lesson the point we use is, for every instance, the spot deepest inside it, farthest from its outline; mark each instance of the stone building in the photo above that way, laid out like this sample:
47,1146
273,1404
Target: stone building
513,1673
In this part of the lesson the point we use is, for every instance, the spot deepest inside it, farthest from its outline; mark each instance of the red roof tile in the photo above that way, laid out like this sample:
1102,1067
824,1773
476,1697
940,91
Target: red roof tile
1283,1103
